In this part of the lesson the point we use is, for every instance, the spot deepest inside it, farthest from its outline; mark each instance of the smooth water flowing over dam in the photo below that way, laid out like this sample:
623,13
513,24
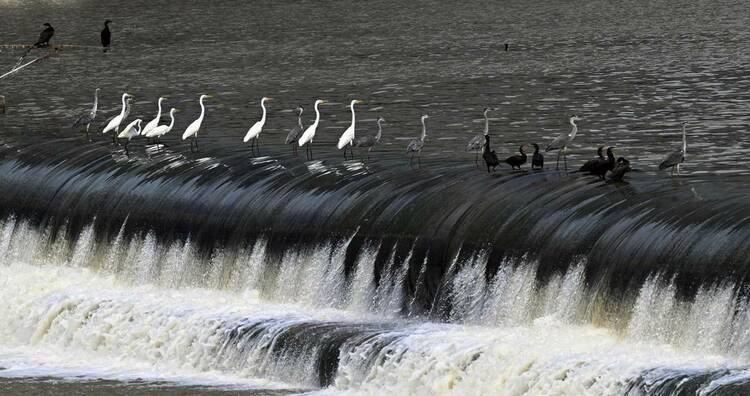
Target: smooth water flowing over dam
347,276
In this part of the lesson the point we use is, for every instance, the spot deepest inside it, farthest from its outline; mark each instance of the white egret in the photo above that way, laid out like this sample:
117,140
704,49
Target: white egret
114,124
347,138
675,158
257,128
309,134
477,142
155,122
563,140
130,131
88,116
293,136
162,130
416,145
195,126
369,142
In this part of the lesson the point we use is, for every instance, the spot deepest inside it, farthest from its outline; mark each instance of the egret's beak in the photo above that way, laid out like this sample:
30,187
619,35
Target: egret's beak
359,101
323,101
209,96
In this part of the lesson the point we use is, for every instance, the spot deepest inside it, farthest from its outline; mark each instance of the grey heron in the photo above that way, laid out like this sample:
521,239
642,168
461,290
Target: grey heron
309,134
195,126
293,136
347,138
416,145
369,142
675,158
476,143
255,130
561,142
88,116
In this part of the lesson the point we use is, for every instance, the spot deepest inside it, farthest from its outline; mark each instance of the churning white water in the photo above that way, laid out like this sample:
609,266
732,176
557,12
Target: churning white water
134,308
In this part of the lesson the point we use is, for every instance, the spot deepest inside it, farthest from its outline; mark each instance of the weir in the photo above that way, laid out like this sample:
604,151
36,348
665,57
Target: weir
656,258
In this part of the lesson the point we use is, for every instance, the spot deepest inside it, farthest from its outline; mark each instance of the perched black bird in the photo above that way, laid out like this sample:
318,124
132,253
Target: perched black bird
622,166
601,168
517,160
592,163
106,36
490,158
537,160
45,36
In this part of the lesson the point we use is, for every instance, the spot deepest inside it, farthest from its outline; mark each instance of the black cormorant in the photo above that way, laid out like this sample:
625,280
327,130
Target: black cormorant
45,36
592,163
489,156
517,160
537,160
106,36
622,166
601,168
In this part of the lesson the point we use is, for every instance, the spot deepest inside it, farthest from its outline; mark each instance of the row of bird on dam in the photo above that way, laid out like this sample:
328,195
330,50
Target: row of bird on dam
301,136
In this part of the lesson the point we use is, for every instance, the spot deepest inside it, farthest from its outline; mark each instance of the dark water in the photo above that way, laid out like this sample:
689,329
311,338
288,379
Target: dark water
633,71
424,268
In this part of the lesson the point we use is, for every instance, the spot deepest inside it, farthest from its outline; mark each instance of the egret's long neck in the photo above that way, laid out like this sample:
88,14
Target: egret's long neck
158,114
96,102
299,119
424,130
684,141
317,115
353,118
171,123
486,124
380,130
263,106
124,105
203,110
574,129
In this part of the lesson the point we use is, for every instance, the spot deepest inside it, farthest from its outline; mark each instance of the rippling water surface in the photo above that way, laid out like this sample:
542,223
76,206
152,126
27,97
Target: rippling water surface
224,272
634,70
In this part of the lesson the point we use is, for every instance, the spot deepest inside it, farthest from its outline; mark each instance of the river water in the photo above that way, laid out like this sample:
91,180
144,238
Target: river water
227,272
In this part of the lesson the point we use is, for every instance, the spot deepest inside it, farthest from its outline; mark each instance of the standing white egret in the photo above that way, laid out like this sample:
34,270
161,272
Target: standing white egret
369,142
195,126
476,143
309,134
114,124
675,158
347,138
257,128
155,122
416,145
293,136
561,142
88,116
130,131
162,130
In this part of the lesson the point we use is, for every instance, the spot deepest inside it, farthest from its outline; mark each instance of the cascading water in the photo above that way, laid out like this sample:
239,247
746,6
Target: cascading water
336,282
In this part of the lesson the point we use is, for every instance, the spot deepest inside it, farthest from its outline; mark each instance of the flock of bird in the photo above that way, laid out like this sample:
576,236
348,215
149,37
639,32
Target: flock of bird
303,137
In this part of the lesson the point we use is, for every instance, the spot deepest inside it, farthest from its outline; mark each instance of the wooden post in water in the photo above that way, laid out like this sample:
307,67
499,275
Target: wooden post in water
2,104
